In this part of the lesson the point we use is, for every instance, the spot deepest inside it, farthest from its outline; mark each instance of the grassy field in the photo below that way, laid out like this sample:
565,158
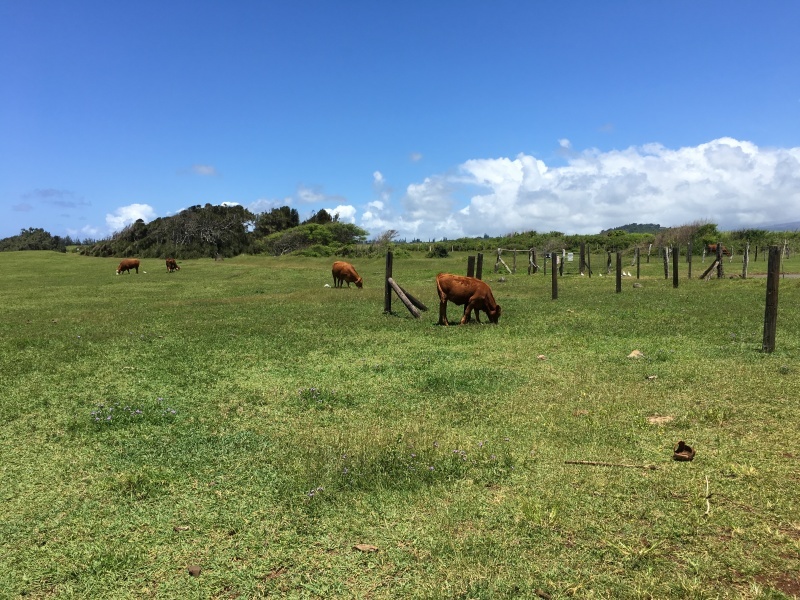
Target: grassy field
293,440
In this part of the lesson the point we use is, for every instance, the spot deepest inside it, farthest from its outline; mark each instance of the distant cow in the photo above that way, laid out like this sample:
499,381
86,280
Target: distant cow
127,264
343,271
473,293
712,249
172,265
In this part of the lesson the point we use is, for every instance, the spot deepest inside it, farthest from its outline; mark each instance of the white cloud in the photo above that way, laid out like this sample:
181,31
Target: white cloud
205,170
125,215
347,213
415,157
732,183
309,196
265,205
377,177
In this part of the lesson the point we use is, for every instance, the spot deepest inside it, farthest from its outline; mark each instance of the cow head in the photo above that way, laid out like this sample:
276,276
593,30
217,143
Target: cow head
359,283
494,315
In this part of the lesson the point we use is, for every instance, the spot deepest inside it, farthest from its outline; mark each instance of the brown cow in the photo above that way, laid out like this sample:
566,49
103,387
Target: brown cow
127,264
343,271
172,265
712,249
476,294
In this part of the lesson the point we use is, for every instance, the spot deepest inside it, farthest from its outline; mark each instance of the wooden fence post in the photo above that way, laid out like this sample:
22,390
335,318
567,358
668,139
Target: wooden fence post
401,293
720,268
554,273
638,261
619,272
582,263
479,267
589,261
387,293
771,310
689,258
745,260
665,255
470,266
532,266
675,251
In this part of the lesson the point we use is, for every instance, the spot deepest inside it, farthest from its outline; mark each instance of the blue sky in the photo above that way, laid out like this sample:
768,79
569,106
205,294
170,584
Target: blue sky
436,119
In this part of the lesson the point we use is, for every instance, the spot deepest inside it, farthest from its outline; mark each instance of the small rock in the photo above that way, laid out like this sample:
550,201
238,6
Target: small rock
636,354
365,548
194,570
637,285
541,357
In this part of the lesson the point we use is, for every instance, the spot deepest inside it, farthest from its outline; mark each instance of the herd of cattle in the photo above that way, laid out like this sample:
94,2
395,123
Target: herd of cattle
127,264
475,295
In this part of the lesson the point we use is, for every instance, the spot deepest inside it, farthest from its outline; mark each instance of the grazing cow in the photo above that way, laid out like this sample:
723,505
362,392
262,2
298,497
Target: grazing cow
474,293
127,264
343,271
172,265
712,249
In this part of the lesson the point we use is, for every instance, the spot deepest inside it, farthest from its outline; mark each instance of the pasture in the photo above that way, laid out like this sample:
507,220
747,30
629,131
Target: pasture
292,440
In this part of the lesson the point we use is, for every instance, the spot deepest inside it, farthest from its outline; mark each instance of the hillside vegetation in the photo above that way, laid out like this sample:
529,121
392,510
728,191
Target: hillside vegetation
228,231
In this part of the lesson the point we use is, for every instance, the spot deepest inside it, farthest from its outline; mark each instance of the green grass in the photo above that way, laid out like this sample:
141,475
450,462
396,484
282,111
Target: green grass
240,416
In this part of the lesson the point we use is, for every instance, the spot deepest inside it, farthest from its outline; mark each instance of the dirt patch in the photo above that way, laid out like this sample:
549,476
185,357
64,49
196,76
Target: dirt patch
660,419
786,583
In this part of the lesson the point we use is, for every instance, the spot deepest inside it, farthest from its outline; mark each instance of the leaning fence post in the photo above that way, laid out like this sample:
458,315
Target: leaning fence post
771,310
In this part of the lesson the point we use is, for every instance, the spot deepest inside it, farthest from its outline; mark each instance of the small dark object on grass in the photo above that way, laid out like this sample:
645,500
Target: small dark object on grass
194,570
683,451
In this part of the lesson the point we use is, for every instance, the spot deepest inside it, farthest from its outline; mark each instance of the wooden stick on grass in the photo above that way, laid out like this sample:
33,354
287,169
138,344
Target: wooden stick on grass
608,464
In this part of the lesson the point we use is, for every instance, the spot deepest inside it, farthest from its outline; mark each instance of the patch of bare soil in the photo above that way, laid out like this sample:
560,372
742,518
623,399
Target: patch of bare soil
660,419
786,583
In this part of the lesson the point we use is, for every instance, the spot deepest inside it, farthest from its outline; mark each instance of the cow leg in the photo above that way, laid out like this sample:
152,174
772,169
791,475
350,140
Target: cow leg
443,312
468,313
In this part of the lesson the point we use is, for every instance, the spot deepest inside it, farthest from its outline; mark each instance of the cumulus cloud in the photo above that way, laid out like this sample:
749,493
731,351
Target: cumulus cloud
347,213
733,183
125,215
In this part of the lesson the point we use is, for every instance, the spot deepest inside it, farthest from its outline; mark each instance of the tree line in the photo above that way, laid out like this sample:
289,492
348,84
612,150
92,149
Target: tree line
226,231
